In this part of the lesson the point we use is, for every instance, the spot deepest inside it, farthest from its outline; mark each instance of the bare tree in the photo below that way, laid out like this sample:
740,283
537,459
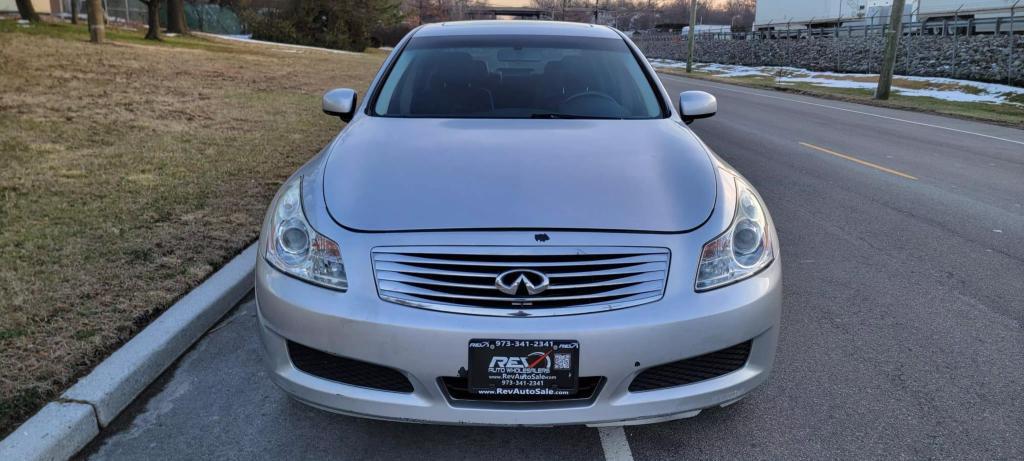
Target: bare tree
741,14
27,11
550,5
427,11
647,14
729,12
176,17
97,26
153,19
74,11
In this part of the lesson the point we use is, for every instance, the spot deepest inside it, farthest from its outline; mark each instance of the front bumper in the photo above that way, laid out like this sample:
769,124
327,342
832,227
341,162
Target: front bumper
426,345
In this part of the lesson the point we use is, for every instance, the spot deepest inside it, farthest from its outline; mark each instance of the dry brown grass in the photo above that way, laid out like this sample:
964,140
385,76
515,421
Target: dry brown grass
128,174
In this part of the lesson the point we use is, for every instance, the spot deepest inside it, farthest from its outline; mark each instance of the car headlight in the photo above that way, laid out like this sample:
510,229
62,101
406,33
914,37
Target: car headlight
742,250
293,247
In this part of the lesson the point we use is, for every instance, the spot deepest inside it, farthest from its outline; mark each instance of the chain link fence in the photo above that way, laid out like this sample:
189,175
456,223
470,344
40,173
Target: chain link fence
201,17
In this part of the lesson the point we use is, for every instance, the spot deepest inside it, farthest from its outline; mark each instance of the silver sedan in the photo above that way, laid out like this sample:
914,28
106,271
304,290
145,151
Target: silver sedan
516,227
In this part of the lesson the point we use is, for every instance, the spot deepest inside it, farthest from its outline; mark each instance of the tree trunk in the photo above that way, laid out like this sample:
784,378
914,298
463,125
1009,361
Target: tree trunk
97,27
27,11
153,15
74,11
176,17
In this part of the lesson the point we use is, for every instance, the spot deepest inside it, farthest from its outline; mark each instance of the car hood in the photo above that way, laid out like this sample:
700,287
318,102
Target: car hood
401,174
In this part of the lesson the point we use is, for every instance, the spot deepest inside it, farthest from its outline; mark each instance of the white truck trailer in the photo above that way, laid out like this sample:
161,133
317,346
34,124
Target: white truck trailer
981,14
800,14
977,8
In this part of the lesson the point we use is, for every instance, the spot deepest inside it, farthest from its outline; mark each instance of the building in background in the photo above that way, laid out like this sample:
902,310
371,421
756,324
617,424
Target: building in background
42,6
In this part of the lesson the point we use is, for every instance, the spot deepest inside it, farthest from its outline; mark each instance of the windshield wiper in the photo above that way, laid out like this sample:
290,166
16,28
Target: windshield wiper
570,116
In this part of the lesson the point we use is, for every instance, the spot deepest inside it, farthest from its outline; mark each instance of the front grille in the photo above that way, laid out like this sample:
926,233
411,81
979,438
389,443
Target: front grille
460,278
693,369
346,370
458,389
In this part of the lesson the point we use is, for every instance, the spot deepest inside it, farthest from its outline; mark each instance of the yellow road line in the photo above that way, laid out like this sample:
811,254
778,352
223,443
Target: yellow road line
859,161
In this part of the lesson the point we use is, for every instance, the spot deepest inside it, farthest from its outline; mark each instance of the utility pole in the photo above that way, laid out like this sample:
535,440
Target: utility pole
97,32
835,42
892,43
691,36
1009,62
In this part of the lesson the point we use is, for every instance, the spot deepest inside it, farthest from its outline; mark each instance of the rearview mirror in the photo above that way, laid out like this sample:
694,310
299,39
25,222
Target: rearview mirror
340,102
697,104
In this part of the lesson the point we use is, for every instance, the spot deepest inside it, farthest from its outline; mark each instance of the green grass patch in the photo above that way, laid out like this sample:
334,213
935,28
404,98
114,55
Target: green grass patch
1016,98
11,334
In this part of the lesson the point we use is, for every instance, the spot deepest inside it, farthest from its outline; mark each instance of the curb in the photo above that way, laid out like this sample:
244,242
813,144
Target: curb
65,426
56,432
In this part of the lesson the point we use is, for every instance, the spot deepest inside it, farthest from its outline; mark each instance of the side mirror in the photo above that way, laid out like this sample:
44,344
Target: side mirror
697,104
340,102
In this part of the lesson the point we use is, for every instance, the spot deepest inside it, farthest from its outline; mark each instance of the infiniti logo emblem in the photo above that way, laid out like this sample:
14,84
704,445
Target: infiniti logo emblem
510,282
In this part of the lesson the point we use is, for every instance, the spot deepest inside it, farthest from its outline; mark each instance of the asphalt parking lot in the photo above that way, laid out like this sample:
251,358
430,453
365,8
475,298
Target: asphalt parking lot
902,237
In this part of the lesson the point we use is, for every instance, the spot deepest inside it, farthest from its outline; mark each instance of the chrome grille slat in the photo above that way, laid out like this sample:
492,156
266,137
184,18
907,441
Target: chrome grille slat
403,258
397,267
639,268
405,268
398,287
462,279
405,278
646,277
632,300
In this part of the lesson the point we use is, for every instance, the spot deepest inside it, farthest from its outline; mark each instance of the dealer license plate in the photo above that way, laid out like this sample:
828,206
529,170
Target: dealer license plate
516,367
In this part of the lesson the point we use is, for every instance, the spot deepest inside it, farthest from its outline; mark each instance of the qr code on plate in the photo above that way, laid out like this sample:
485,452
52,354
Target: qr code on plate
563,361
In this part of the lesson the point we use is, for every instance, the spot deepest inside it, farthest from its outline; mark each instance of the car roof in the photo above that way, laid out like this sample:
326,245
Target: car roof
520,27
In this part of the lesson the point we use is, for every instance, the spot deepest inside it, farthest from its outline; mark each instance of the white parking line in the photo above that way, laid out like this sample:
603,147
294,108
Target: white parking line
614,443
997,138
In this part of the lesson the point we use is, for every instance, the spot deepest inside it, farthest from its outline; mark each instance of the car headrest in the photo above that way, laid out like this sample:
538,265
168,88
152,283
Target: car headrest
457,69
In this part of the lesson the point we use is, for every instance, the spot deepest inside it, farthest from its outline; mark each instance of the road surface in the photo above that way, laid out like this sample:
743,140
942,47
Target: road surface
903,244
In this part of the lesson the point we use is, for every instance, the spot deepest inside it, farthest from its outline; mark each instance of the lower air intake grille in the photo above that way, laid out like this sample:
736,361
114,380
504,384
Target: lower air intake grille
347,371
693,369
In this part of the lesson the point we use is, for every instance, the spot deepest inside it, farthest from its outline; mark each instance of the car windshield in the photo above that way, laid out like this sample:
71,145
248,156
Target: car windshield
517,76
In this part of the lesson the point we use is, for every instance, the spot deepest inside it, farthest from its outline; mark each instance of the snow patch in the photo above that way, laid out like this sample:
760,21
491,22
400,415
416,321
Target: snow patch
947,89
